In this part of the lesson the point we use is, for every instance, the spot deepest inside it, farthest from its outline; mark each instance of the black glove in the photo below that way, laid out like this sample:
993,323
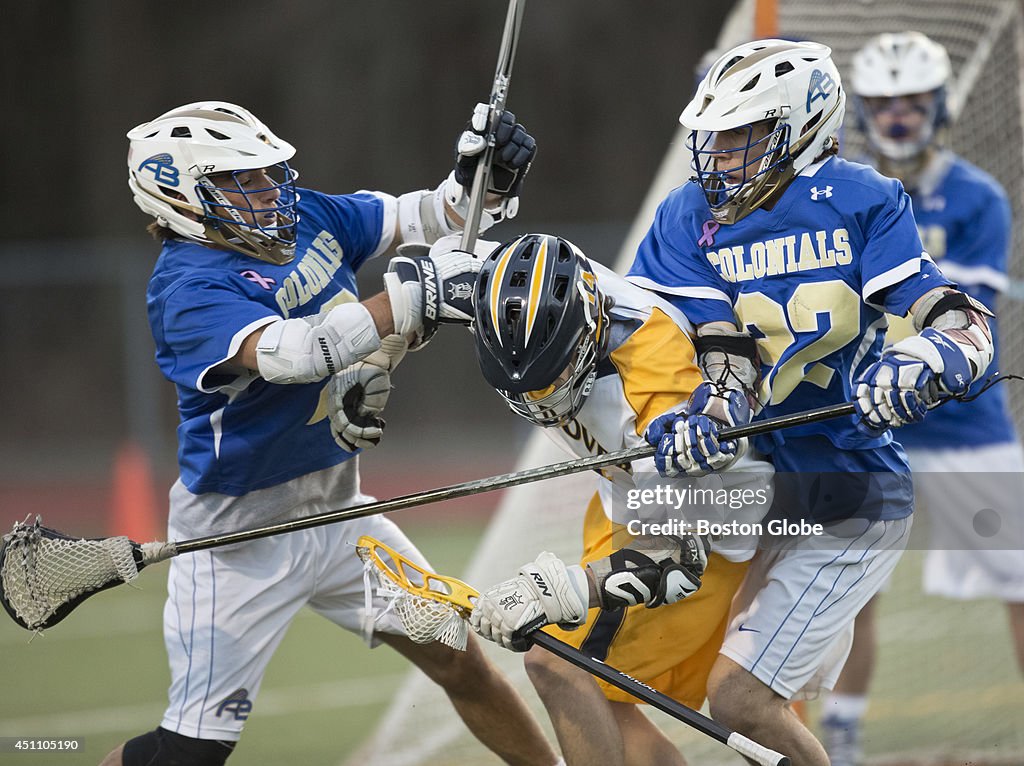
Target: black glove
514,150
651,570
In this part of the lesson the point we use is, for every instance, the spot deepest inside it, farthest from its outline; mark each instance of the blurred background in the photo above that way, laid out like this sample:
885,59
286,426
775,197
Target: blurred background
373,95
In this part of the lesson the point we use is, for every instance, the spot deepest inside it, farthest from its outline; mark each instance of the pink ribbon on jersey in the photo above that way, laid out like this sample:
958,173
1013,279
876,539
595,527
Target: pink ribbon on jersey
710,227
254,276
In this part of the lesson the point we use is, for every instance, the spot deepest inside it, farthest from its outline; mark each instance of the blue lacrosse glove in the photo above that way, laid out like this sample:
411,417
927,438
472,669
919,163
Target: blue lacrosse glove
943,356
687,442
908,380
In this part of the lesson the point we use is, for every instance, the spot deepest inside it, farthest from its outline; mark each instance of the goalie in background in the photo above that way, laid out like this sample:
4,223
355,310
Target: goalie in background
576,349
254,311
965,457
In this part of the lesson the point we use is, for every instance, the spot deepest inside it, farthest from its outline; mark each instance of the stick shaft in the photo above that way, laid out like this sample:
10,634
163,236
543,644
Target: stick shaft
463,598
662,702
503,481
499,94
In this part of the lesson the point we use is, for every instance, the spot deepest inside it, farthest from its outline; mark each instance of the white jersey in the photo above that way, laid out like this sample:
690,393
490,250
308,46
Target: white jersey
650,367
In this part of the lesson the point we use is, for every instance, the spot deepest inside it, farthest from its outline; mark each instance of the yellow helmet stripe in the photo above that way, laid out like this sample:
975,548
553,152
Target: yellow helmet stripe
496,280
536,284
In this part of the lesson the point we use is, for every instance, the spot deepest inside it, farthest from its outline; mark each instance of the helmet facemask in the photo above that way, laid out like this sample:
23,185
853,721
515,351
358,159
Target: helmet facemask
762,167
271,235
893,143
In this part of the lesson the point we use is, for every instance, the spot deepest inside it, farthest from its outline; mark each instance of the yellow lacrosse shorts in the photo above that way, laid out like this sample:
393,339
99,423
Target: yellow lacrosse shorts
670,648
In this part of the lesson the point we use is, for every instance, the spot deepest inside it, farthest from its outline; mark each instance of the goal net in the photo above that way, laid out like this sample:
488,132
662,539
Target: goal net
946,690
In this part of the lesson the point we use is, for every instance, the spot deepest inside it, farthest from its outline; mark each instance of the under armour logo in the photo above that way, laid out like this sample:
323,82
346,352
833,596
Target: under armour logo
162,168
267,283
816,192
511,601
237,703
821,85
460,291
710,227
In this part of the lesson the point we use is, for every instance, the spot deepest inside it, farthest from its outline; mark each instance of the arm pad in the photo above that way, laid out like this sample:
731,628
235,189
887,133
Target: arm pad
962,321
294,351
730,359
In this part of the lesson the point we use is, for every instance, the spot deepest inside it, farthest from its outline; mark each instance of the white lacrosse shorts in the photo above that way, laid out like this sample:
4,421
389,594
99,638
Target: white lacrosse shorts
228,609
973,503
792,624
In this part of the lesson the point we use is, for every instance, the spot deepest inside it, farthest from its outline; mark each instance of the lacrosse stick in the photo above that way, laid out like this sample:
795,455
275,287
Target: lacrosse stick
435,607
499,92
45,574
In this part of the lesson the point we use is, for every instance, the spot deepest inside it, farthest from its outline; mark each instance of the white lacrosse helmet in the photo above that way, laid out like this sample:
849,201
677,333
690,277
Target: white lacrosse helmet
901,64
796,85
171,160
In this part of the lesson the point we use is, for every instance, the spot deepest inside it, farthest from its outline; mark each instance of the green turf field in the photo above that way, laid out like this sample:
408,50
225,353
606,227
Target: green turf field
101,675
946,678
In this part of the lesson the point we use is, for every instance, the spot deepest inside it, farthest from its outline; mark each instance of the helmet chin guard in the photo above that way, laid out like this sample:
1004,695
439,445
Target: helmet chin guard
183,164
540,327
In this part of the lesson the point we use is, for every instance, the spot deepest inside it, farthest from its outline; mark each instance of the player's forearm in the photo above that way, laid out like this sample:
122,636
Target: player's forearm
298,351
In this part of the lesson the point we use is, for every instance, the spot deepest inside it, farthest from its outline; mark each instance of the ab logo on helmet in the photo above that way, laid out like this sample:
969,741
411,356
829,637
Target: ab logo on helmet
821,85
162,168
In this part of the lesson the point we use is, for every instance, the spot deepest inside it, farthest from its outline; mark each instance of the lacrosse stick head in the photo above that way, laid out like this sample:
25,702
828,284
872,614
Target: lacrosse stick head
431,607
45,574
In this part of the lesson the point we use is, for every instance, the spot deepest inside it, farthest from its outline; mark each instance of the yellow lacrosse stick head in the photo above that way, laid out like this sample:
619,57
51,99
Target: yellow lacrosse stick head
412,578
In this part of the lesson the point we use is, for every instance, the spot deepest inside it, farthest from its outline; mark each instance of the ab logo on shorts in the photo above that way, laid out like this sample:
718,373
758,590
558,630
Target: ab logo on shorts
237,704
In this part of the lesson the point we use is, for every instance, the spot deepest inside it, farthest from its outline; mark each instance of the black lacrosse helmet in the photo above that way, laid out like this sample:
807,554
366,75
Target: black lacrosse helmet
540,324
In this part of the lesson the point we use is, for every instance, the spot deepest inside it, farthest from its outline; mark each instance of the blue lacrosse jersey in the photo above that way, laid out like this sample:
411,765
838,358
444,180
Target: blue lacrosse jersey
964,219
811,279
238,434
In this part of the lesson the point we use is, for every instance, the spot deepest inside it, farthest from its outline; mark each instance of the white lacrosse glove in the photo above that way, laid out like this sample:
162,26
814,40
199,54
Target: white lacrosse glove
543,593
428,290
651,570
357,395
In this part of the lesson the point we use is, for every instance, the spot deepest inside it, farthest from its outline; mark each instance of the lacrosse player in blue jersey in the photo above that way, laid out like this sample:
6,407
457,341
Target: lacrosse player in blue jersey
256,319
900,84
787,258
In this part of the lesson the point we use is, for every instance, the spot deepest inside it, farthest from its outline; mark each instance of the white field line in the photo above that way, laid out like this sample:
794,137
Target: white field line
353,692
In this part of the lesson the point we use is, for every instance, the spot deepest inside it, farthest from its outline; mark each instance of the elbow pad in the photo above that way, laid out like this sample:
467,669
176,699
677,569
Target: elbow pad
294,351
